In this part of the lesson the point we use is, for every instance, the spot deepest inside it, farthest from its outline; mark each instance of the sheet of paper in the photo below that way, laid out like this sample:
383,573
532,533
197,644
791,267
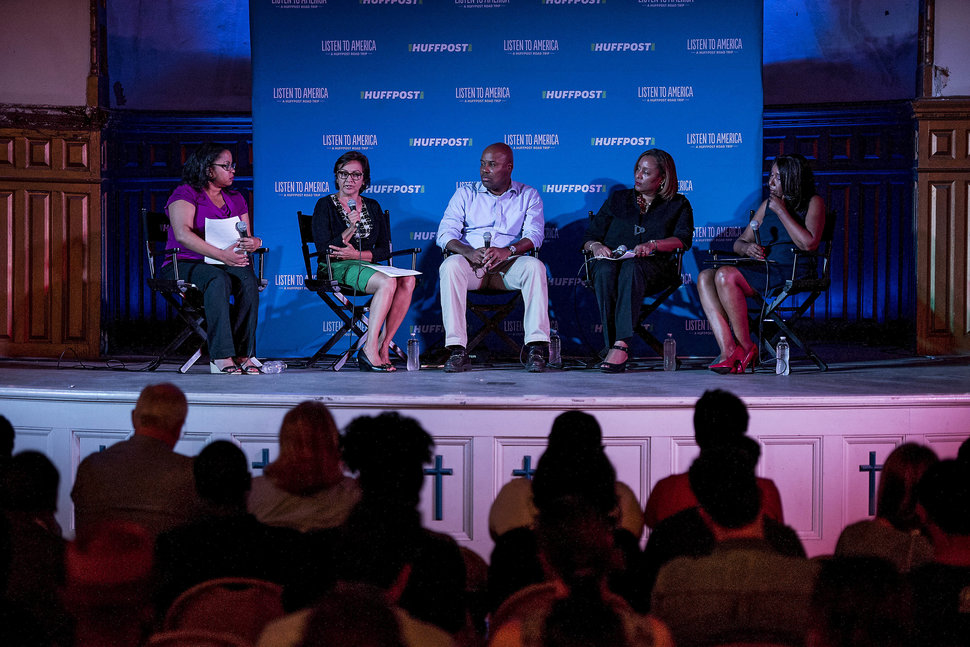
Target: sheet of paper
627,254
222,234
393,271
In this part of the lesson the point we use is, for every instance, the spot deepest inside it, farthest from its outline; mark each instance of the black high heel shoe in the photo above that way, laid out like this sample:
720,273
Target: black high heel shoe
620,367
364,364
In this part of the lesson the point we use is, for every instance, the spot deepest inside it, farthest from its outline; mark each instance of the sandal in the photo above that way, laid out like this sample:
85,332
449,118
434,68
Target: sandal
620,367
248,368
228,369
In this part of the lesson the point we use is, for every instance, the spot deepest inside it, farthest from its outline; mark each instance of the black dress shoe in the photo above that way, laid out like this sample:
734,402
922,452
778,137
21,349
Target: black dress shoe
364,364
458,362
536,362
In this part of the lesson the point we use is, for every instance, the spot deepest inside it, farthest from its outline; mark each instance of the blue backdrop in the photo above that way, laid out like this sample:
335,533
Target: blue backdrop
577,88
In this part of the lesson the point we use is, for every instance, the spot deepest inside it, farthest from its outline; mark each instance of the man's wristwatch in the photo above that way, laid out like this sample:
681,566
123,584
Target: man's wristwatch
511,250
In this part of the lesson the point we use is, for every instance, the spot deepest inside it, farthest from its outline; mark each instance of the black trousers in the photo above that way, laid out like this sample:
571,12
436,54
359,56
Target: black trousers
231,327
620,287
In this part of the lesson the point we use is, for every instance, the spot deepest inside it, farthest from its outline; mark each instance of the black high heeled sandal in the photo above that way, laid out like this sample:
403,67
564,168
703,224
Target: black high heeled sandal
608,367
364,364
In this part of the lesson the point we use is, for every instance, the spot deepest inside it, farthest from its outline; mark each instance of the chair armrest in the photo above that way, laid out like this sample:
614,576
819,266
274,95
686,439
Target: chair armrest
413,252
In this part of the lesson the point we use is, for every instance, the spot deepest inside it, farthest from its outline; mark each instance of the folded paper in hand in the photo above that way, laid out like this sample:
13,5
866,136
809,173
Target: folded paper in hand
221,233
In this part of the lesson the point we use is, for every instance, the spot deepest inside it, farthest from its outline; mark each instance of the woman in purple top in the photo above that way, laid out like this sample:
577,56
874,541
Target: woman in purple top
205,196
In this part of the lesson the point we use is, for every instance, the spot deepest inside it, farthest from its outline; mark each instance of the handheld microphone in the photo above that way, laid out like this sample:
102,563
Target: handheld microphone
352,205
619,251
488,239
243,232
755,226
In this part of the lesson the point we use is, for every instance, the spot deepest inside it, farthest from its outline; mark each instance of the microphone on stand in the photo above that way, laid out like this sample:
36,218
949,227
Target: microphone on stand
619,251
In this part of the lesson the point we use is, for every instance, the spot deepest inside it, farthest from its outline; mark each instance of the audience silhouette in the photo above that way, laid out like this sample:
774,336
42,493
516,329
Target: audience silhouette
359,567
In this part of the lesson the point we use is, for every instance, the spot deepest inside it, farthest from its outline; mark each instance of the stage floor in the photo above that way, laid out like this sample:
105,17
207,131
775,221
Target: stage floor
856,376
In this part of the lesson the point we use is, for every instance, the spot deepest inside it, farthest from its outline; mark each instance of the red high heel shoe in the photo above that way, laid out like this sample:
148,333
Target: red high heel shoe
749,358
728,364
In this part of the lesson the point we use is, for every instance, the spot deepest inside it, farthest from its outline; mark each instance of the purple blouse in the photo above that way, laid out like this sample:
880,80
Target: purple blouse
204,209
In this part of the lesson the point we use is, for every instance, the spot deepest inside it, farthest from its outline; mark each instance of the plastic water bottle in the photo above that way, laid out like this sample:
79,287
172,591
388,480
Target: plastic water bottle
274,367
782,367
670,353
555,348
414,354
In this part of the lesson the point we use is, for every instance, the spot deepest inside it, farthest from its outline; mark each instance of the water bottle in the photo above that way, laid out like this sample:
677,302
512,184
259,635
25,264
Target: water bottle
670,353
782,367
555,348
274,367
414,354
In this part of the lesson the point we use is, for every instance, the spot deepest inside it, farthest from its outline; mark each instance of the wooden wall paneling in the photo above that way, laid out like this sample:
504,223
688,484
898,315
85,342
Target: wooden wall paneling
794,463
6,266
50,199
942,223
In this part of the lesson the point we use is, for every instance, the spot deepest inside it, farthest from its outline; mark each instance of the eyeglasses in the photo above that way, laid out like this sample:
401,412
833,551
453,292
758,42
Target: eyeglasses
344,175
227,166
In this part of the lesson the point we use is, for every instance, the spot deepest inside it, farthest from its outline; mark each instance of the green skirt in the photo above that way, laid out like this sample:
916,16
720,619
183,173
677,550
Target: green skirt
352,274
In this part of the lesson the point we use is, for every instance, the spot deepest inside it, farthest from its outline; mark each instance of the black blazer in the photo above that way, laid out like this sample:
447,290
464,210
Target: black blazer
619,221
328,225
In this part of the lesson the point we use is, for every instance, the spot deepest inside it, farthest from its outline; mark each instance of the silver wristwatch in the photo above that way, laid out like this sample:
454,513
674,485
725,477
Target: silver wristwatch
512,249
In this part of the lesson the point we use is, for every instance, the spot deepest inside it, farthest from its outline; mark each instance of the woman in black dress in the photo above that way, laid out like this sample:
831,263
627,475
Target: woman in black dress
792,216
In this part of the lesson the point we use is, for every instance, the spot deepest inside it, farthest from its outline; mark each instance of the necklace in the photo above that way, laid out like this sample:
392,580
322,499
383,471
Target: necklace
643,203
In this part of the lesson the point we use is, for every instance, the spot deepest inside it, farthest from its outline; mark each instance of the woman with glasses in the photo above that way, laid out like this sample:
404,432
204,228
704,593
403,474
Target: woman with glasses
220,272
357,234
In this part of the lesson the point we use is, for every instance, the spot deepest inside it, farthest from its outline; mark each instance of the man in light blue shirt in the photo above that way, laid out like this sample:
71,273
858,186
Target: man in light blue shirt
487,228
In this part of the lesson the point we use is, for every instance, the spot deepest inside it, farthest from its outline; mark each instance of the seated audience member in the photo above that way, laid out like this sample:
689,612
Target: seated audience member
588,477
389,453
719,417
941,589
376,549
305,487
895,533
18,627
859,601
108,585
354,615
141,479
7,435
36,567
226,541
963,454
744,590
574,606
690,533
572,431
